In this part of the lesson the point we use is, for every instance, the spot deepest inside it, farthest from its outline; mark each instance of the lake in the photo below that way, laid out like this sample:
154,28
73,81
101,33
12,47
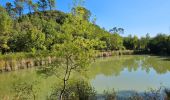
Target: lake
121,73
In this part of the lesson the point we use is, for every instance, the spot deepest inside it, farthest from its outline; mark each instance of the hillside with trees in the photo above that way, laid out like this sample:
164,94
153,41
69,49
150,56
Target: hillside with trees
42,27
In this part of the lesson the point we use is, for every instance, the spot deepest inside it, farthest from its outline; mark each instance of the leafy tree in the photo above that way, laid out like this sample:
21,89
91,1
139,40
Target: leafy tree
135,42
75,52
5,30
81,12
158,44
30,40
168,45
37,39
76,55
51,34
131,43
127,42
79,90
116,42
143,42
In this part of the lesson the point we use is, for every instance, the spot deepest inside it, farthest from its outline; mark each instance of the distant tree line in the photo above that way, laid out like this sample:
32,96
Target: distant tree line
18,6
160,44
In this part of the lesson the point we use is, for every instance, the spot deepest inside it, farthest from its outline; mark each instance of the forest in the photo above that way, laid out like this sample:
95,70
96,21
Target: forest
40,28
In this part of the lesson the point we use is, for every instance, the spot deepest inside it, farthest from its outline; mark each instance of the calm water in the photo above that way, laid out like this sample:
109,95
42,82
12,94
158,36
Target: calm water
138,73
122,73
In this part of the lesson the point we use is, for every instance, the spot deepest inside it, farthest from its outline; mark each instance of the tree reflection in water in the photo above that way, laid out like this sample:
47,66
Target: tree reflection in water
115,65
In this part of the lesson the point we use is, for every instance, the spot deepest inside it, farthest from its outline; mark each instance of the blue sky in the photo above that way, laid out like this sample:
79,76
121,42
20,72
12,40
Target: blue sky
137,17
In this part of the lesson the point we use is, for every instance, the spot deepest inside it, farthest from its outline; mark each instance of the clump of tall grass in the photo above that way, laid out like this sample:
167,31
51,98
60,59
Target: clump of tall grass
25,55
2,64
14,61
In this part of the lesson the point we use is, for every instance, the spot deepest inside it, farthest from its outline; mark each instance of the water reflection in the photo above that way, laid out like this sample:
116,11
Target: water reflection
122,73
130,73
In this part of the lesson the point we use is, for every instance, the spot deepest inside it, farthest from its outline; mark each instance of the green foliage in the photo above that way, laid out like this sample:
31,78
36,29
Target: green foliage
81,12
5,30
36,40
116,42
79,90
159,44
25,90
42,30
131,43
75,52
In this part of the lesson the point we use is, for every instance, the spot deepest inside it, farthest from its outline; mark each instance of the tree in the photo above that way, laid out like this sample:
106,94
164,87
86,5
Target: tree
130,42
19,6
51,4
30,5
76,90
116,42
42,5
120,30
74,53
135,42
29,41
113,30
144,41
117,30
9,8
159,44
35,7
5,30
77,3
81,12
37,39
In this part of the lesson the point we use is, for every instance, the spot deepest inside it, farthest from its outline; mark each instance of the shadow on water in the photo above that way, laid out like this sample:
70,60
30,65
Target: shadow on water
166,59
160,94
163,58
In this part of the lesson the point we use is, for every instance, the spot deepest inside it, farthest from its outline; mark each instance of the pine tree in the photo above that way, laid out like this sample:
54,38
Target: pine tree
42,5
51,4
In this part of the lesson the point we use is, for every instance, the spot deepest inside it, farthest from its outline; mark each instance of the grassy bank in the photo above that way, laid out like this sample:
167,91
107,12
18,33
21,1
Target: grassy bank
23,60
115,53
15,61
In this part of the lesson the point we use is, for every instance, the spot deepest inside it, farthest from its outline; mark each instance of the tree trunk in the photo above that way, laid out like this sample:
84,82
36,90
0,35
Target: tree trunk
64,80
66,77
